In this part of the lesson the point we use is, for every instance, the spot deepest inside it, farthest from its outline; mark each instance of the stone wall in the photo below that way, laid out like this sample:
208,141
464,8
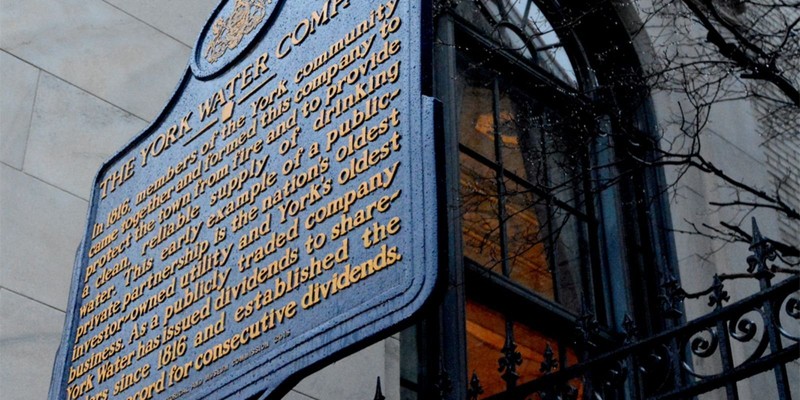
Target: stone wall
736,139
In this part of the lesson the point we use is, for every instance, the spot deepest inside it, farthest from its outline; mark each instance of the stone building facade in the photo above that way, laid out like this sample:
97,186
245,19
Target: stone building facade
79,79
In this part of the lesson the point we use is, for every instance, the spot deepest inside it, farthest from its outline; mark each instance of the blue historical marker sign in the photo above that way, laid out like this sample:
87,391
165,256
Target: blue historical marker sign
280,211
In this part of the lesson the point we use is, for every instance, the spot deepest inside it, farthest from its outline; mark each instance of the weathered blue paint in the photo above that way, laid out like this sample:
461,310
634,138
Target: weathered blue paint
356,315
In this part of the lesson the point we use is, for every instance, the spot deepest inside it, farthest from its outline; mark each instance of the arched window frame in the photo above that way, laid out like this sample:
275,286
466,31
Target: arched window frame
610,114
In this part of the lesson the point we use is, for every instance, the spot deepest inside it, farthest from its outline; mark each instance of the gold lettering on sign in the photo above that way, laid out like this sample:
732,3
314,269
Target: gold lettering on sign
282,195
117,178
308,26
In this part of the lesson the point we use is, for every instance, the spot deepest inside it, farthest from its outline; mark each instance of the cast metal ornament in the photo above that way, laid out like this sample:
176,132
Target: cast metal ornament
229,32
475,388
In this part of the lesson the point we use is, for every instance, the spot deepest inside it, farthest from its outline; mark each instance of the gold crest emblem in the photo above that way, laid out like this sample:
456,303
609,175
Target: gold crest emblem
228,32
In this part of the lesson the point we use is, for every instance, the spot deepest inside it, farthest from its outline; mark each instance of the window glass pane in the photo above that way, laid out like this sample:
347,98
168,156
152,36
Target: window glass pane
545,145
549,52
533,227
476,118
527,240
523,124
520,26
541,156
486,336
479,213
570,259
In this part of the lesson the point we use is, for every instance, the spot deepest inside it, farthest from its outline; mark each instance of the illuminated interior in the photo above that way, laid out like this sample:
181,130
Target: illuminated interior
486,337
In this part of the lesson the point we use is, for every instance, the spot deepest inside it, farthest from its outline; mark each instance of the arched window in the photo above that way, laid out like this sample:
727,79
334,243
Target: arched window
555,238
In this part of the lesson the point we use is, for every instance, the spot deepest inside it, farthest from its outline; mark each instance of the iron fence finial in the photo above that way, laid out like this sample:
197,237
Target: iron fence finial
378,392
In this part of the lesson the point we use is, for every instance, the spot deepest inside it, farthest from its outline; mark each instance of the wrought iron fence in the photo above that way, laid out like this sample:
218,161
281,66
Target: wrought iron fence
664,366
764,326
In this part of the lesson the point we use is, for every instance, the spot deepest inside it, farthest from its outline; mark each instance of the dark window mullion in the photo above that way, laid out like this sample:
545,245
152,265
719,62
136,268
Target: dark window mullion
452,313
550,214
562,343
509,355
590,282
499,178
583,217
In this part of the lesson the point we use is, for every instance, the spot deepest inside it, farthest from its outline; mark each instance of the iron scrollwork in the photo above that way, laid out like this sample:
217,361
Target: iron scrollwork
667,365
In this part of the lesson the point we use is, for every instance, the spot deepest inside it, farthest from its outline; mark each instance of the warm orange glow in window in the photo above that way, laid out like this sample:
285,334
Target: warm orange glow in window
526,257
486,335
